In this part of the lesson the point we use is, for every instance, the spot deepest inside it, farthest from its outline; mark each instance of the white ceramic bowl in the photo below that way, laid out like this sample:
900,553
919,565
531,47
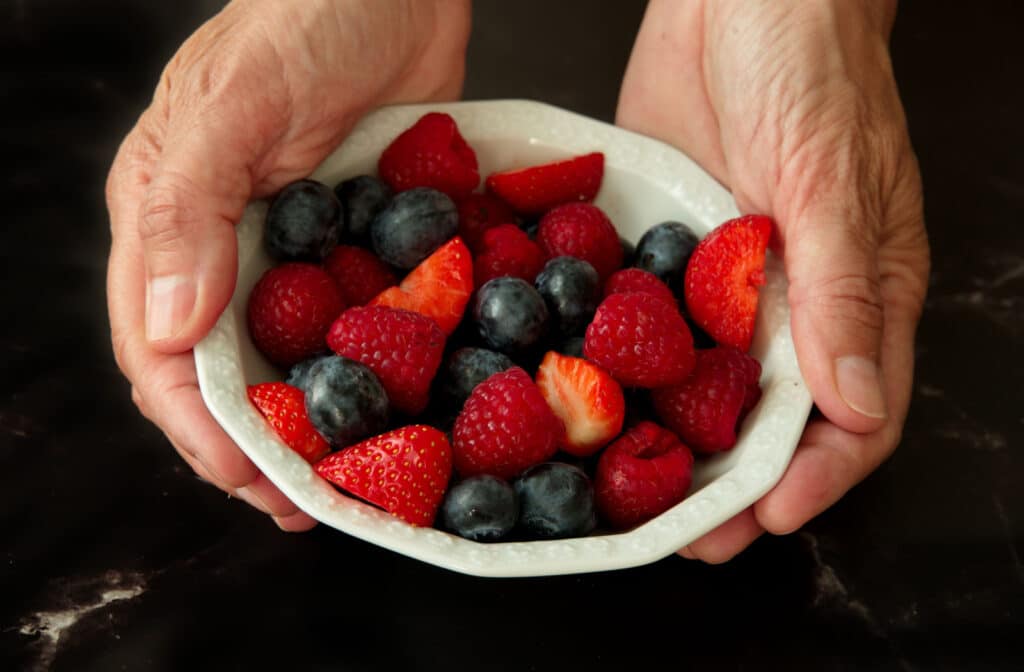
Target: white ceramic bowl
645,182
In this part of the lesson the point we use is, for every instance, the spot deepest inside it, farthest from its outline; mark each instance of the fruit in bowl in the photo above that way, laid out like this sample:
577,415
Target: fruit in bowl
548,224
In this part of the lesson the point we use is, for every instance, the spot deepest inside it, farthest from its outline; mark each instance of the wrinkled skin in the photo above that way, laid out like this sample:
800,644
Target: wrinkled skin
791,104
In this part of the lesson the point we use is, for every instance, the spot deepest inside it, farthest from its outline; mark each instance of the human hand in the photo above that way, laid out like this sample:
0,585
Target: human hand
255,99
793,106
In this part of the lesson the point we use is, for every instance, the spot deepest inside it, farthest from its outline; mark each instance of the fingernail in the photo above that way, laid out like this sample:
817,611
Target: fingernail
860,385
169,303
251,498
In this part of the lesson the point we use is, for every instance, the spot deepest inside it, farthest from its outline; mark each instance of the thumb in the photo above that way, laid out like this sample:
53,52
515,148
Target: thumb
186,226
837,318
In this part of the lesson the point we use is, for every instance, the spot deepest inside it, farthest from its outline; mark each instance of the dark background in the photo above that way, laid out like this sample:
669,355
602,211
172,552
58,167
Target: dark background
919,568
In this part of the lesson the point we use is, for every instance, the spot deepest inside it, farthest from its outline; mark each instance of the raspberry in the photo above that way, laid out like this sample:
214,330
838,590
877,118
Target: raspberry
637,280
359,273
581,230
431,153
506,250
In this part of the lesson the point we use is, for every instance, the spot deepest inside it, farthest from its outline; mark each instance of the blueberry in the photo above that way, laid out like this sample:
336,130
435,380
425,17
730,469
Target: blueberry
303,222
361,197
467,368
628,252
572,289
556,500
480,508
510,314
572,347
345,401
414,224
298,375
665,250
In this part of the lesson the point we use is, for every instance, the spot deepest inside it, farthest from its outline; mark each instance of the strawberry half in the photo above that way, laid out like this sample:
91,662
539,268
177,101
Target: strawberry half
284,407
536,189
587,400
431,153
405,472
438,288
724,277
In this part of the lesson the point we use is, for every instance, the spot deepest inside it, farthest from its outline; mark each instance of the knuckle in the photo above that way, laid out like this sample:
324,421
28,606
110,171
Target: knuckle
167,215
847,298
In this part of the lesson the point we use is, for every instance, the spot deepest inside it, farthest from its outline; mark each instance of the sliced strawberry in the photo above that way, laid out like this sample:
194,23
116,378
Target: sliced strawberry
438,288
587,400
405,472
284,407
431,153
724,277
507,250
536,189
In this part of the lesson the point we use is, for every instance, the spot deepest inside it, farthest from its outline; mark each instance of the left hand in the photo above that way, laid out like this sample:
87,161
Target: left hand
793,106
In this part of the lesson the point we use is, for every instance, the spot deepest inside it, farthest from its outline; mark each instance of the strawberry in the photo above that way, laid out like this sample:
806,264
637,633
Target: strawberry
359,273
402,348
706,409
477,214
641,342
438,288
404,471
284,407
537,189
431,153
507,250
638,280
505,426
581,230
290,309
587,400
643,474
723,279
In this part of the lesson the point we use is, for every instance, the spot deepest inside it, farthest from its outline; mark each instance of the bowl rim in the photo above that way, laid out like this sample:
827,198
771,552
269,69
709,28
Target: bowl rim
769,434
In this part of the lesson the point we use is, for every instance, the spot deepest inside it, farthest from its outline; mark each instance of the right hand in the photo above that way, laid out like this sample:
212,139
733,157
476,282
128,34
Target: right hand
255,99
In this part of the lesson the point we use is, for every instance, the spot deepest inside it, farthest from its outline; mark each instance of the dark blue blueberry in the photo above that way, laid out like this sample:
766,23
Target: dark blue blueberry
628,252
510,314
556,500
572,347
467,368
665,250
530,226
480,508
572,289
303,222
361,198
345,401
298,375
414,224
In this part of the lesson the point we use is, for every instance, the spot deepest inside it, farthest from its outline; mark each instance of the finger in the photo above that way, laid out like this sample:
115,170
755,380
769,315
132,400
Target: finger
725,541
298,522
831,260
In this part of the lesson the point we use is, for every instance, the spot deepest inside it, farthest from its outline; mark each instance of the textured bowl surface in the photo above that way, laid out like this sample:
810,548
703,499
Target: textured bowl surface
646,182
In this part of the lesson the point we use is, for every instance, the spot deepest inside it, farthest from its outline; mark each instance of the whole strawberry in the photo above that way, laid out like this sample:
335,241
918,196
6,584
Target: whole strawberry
583,231
644,473
642,342
284,407
431,153
507,250
359,273
405,472
723,279
536,189
290,310
402,348
706,409
505,426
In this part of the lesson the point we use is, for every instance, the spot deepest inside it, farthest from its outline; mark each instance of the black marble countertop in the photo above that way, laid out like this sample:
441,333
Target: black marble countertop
114,556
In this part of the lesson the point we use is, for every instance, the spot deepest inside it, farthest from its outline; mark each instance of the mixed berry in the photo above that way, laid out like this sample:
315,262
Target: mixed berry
501,364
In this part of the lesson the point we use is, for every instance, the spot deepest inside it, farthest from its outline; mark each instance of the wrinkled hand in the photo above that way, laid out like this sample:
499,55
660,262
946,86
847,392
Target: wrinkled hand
793,106
256,98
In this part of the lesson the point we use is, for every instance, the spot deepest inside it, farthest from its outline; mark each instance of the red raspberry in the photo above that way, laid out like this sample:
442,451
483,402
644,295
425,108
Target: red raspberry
581,230
706,409
290,310
477,214
431,153
646,472
401,347
505,427
284,407
642,343
507,250
359,273
638,280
